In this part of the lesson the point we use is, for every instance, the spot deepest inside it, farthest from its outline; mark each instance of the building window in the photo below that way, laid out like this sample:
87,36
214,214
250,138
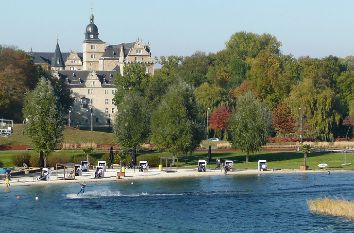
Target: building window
93,83
89,91
93,46
112,110
92,55
91,101
113,92
139,51
106,101
106,92
106,110
91,36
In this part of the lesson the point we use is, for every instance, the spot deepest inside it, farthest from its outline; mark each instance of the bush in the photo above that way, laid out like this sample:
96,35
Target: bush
1,164
52,160
79,158
19,159
153,160
34,160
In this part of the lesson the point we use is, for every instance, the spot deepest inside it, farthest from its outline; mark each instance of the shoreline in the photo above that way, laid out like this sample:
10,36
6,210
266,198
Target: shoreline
111,175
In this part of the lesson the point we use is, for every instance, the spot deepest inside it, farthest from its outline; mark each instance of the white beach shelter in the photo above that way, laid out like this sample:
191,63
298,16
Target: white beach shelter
262,165
103,164
202,162
229,163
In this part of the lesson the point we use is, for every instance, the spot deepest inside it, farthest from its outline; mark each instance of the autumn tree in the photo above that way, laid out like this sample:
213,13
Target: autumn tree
18,75
219,120
283,120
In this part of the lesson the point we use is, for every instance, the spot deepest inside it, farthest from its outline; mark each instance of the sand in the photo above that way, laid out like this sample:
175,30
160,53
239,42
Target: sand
111,175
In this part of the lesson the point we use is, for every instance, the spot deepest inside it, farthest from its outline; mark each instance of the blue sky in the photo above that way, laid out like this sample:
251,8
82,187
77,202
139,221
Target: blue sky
305,27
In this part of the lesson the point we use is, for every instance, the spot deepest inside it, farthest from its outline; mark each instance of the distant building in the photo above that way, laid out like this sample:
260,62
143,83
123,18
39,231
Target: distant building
90,74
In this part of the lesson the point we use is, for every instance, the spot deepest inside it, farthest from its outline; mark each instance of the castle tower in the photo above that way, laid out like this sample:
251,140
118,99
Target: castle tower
57,59
93,47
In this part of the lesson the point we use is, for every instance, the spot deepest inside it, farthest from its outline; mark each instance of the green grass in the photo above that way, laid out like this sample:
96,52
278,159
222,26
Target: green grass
276,160
71,135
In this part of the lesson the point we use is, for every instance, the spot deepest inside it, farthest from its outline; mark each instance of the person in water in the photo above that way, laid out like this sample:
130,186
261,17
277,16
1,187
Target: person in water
7,182
82,190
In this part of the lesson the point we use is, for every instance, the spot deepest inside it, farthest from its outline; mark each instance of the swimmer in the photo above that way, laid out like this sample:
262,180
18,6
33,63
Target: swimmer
82,190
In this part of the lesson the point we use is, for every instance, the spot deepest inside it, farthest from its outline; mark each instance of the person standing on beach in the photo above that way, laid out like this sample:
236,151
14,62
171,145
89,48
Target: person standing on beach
7,182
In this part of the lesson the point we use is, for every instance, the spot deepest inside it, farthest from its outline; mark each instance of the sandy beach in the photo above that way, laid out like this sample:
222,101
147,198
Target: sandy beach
57,177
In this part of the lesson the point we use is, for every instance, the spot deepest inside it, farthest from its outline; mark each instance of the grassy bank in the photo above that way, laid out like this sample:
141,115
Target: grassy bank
276,160
71,135
332,207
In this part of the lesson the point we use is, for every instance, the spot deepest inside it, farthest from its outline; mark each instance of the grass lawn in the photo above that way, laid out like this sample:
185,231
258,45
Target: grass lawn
71,135
276,160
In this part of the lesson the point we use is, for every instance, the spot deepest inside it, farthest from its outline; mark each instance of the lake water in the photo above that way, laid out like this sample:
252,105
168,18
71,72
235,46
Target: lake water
265,203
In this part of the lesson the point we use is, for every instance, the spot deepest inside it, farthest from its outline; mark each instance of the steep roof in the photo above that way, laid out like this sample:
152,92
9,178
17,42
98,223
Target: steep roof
46,57
113,51
57,59
77,78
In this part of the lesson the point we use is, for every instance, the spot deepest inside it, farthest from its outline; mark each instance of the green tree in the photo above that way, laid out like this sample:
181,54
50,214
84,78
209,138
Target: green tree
133,81
194,69
247,45
44,122
176,123
132,122
306,149
208,96
250,124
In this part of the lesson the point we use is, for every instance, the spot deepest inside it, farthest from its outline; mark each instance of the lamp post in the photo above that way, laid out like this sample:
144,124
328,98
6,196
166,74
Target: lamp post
207,124
69,122
91,118
301,126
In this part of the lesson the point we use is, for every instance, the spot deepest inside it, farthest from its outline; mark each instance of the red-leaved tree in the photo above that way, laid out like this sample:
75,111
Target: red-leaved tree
219,119
282,119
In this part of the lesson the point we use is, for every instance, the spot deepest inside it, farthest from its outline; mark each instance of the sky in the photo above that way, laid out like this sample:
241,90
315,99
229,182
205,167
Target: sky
315,28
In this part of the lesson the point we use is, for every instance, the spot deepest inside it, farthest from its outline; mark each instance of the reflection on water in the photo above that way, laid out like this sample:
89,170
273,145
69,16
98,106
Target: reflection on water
265,203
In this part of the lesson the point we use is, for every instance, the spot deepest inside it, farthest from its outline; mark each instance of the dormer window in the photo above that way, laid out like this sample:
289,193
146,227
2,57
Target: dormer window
91,36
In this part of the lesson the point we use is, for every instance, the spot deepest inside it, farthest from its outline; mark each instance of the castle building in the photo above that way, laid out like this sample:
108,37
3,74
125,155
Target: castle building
90,74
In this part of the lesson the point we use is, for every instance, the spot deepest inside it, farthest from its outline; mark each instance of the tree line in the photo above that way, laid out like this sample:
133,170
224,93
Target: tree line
249,91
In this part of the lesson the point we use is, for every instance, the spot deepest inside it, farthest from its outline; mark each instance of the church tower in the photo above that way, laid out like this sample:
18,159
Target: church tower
57,59
93,47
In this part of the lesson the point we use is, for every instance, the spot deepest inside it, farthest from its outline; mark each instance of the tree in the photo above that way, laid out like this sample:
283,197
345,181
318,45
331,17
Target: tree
194,69
176,123
306,149
133,81
44,122
247,45
208,96
17,76
219,119
131,123
283,120
250,124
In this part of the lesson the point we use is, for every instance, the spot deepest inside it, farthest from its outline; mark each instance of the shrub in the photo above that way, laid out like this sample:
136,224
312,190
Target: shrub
1,164
34,160
79,158
52,160
153,160
19,159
